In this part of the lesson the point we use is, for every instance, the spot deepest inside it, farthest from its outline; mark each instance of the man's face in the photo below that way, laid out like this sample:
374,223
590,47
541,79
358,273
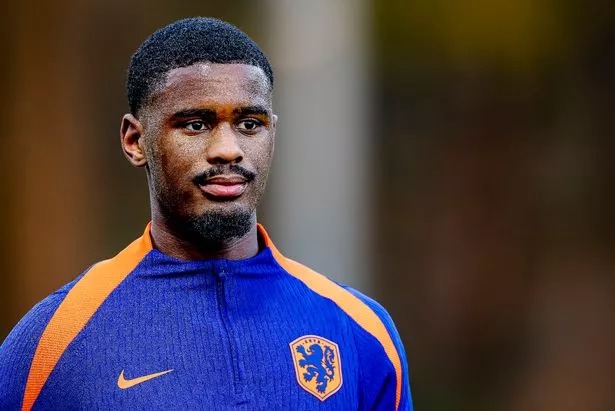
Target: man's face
208,137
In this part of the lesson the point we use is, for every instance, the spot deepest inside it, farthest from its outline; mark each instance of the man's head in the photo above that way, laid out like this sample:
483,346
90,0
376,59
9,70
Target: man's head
201,123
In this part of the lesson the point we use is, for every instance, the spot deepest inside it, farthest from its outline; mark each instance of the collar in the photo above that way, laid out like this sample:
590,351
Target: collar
264,262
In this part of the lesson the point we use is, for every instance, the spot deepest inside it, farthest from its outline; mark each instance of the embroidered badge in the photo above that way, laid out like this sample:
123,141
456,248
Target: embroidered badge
317,365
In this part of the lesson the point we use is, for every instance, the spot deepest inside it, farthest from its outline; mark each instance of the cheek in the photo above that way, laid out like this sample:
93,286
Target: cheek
262,156
178,153
171,163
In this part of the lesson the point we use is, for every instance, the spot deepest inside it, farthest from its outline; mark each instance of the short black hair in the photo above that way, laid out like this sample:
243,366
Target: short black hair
186,42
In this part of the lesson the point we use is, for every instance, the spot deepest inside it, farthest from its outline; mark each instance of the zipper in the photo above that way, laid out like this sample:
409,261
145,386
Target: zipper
220,274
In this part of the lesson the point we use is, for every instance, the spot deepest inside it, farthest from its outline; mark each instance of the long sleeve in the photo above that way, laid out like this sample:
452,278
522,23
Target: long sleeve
17,351
379,377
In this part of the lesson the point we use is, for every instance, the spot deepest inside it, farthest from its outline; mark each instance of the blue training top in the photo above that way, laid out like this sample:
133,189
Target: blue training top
145,331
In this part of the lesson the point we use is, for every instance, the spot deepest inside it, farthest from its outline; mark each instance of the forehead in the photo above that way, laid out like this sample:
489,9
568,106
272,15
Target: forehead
210,85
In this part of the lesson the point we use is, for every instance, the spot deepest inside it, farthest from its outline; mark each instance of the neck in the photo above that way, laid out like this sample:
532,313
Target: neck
173,244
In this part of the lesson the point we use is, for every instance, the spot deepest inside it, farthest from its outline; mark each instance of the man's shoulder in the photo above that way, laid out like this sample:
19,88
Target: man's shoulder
349,299
40,313
375,306
363,310
17,350
383,330
31,325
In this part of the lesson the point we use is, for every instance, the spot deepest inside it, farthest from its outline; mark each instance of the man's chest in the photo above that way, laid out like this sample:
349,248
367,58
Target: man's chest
277,354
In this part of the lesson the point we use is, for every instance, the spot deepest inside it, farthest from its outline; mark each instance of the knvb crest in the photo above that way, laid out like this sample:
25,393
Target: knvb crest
317,365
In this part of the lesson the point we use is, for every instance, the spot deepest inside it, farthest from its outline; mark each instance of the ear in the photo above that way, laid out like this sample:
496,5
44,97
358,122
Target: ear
131,132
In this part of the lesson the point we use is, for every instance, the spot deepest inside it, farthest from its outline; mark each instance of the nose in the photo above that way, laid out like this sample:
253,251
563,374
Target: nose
223,147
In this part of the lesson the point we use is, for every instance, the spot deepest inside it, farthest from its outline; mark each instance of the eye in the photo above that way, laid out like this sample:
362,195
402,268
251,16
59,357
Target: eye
197,125
249,126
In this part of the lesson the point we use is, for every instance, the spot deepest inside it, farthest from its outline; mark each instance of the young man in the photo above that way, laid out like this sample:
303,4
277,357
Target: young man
202,311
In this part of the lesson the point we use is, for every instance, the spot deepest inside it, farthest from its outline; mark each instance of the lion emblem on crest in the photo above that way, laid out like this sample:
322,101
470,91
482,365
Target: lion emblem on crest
317,365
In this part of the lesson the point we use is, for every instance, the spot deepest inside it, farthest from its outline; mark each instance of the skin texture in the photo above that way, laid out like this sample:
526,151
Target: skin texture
204,118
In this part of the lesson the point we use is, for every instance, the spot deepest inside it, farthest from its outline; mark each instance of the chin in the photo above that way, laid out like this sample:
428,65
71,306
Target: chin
219,225
229,207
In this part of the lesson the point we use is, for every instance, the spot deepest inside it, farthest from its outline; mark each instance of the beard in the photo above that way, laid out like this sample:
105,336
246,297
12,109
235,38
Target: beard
213,228
216,228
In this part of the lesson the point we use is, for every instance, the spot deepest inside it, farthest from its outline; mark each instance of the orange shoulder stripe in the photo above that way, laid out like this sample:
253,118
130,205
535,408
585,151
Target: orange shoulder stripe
75,311
353,306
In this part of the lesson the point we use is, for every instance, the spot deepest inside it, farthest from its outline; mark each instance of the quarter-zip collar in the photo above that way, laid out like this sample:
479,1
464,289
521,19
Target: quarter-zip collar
262,264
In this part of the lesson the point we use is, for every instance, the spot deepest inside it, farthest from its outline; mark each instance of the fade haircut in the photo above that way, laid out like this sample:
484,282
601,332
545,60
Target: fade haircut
183,43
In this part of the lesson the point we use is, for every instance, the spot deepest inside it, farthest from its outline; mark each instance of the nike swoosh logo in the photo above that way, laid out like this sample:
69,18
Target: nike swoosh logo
123,383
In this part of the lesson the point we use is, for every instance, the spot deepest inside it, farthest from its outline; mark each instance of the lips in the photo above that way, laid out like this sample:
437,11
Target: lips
224,186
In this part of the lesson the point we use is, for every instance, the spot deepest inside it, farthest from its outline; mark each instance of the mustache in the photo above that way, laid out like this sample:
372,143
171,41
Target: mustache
202,178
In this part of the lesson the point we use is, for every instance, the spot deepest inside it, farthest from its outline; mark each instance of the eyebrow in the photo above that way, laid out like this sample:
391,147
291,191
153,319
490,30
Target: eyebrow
255,110
196,112
209,113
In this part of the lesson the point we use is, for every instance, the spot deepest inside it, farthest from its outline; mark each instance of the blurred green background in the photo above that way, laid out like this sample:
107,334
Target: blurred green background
479,187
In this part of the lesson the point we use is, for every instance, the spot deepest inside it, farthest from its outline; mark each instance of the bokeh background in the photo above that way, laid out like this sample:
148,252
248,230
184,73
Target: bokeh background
454,159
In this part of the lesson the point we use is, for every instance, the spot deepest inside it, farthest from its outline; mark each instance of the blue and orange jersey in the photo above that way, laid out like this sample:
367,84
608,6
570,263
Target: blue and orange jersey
146,331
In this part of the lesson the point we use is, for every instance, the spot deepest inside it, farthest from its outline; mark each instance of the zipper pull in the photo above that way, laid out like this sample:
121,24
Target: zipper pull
220,269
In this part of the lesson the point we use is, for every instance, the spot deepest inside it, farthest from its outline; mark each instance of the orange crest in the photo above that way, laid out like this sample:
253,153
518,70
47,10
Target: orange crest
317,365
